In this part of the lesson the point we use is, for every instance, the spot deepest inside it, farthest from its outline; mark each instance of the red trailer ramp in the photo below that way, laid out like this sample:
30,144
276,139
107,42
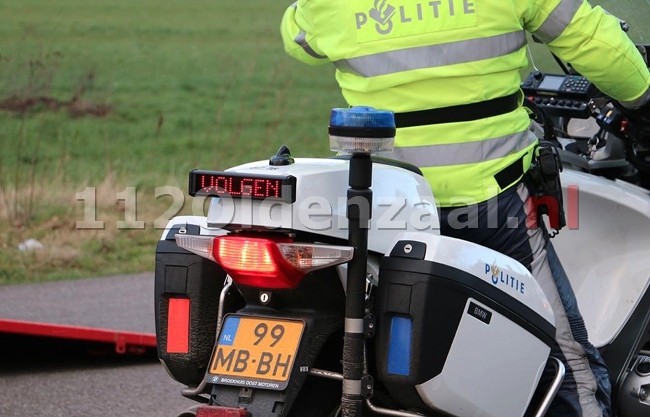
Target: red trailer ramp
113,310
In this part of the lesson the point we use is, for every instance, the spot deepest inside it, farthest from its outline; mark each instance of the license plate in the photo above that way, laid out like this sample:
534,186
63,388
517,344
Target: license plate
256,352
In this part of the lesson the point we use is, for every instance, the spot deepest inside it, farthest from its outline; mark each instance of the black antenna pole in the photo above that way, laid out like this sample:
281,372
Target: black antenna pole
359,212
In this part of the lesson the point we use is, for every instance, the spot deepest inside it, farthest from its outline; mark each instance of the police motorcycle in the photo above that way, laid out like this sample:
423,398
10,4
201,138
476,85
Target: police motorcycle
267,306
322,287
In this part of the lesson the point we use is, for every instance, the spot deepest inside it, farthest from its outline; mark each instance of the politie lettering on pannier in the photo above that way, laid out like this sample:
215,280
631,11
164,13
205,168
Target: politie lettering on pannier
498,277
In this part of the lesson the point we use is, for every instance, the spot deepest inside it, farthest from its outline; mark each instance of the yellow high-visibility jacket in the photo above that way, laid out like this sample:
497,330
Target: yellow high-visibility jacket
408,55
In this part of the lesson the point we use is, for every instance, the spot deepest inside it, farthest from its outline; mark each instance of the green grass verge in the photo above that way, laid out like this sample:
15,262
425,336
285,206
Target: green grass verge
190,84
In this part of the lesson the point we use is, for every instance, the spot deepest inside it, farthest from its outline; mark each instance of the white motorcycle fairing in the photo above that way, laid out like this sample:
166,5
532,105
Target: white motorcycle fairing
605,250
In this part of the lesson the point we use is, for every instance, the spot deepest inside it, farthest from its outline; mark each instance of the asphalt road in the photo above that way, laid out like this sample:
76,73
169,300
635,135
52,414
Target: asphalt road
47,377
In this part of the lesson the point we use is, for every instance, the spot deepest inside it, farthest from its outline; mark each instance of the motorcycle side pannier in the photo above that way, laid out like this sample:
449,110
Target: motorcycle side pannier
187,290
455,340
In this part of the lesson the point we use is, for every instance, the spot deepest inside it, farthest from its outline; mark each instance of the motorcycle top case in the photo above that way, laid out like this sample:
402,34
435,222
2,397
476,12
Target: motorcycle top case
187,289
461,329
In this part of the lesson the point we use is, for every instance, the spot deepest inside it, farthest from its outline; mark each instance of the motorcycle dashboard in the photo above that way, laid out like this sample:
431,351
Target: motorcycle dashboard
242,185
551,82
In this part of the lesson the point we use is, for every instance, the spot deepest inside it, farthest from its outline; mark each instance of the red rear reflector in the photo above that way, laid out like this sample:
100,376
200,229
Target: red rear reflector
212,411
178,326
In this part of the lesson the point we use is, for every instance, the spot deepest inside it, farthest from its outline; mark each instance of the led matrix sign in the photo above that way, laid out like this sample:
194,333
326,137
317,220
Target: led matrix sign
238,185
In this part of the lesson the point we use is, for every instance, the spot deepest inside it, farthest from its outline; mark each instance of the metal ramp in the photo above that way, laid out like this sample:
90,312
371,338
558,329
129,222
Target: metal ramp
117,311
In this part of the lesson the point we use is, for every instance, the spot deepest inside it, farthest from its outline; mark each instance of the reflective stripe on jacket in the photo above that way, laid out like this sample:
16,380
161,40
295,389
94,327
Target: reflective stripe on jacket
407,55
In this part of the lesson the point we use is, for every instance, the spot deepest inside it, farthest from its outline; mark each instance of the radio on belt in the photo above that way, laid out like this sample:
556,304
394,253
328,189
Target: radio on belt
560,95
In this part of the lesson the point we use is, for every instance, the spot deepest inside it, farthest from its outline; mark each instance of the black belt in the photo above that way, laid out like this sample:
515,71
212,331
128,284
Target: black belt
461,113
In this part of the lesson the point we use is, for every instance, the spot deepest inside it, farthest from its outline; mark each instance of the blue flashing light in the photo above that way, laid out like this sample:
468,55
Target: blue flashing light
399,346
362,117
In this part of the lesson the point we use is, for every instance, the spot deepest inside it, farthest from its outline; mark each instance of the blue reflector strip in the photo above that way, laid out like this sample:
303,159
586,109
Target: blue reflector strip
229,331
399,348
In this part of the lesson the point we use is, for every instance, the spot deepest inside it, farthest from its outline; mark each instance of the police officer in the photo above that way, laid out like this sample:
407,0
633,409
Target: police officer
450,69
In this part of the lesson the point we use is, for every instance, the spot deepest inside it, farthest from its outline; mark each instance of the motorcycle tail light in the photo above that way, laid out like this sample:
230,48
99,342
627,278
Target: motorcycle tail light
213,411
264,262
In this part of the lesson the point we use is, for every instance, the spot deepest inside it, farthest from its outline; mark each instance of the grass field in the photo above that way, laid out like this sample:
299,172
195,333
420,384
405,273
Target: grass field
188,83
179,84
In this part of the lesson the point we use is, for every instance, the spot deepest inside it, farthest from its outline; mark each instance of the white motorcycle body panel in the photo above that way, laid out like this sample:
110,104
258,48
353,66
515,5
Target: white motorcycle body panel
194,220
605,250
402,200
491,370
